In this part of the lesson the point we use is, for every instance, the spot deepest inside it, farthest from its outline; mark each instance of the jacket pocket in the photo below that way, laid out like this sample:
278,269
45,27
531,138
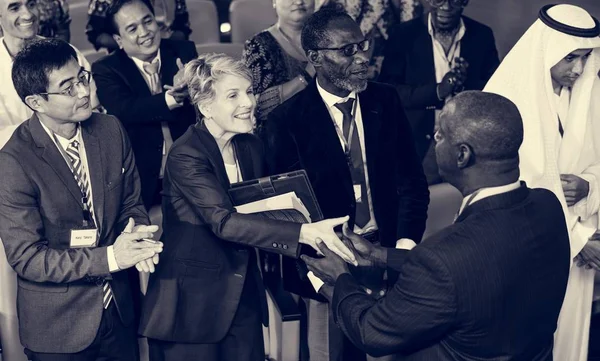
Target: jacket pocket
43,287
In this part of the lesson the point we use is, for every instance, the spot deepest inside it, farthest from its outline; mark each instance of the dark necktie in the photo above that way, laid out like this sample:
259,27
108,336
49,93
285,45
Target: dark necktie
355,163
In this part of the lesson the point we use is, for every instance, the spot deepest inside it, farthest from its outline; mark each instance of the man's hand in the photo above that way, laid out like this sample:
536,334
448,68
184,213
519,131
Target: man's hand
323,230
327,291
460,70
329,268
575,188
179,89
367,254
131,248
589,257
146,265
446,87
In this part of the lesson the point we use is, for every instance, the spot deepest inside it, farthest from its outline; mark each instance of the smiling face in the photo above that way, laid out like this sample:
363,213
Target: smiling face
570,68
446,17
233,105
19,18
139,34
339,73
61,107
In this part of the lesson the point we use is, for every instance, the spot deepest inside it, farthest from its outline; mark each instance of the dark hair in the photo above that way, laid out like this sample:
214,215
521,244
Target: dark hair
115,7
489,122
315,30
34,63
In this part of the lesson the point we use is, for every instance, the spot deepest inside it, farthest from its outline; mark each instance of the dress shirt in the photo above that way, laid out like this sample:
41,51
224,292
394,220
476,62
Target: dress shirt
486,192
64,144
443,62
171,102
330,101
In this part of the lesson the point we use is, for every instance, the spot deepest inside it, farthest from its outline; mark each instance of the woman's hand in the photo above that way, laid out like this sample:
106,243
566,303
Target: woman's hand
323,230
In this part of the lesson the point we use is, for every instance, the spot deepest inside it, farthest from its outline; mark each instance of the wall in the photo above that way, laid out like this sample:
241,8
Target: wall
510,18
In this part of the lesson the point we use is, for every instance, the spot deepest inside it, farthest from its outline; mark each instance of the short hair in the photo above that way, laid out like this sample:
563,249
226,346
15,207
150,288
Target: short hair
115,7
488,122
35,61
316,29
203,72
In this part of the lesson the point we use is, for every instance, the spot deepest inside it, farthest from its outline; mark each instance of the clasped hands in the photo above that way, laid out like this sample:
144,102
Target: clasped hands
179,89
134,246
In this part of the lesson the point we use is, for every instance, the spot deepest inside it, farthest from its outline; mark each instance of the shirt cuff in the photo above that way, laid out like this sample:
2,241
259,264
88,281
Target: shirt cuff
112,261
405,243
315,281
171,102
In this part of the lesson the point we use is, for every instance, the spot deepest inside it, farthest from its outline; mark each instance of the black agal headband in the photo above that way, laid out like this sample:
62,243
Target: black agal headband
567,29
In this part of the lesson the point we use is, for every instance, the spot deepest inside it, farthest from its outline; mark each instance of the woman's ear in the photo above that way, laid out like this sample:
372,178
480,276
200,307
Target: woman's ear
205,109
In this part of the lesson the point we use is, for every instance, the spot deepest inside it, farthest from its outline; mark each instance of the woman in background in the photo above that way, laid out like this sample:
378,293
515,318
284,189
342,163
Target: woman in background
276,58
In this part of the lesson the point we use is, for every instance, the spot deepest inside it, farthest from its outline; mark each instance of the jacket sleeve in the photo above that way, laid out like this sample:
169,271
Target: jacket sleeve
22,232
394,71
420,308
412,188
193,175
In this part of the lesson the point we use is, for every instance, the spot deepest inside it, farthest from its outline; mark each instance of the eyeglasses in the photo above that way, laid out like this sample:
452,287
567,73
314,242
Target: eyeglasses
453,3
83,79
352,49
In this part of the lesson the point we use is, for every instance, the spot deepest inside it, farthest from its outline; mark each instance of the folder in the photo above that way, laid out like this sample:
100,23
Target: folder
289,197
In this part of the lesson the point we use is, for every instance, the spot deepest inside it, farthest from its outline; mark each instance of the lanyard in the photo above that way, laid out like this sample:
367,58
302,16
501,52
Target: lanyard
87,214
347,142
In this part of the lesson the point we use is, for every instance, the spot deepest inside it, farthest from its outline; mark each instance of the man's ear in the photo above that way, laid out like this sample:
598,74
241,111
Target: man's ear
118,39
314,57
465,156
35,103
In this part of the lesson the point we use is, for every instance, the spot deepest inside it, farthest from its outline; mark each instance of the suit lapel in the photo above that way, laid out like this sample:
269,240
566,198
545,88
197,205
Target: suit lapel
214,154
168,64
51,155
425,60
316,133
95,168
245,159
131,74
371,113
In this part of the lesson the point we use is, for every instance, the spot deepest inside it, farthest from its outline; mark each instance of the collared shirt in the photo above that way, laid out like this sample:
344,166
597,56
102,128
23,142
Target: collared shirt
64,144
330,101
171,102
487,192
443,63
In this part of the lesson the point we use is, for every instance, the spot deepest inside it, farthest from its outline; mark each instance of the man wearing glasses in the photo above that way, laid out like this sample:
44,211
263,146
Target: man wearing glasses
352,138
71,215
432,58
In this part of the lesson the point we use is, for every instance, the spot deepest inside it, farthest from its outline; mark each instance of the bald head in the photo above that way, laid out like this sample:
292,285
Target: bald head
489,123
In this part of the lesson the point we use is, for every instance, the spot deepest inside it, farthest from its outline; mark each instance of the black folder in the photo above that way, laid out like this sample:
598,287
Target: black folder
293,270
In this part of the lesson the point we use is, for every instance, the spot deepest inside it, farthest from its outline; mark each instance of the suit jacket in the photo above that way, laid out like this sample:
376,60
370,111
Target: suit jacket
59,301
124,93
410,67
300,134
194,293
489,287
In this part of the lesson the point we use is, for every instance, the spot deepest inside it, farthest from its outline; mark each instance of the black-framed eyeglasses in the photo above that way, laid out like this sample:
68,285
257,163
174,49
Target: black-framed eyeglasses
83,79
352,49
453,3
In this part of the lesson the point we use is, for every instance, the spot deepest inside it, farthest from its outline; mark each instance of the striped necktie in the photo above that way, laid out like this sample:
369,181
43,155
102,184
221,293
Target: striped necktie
84,183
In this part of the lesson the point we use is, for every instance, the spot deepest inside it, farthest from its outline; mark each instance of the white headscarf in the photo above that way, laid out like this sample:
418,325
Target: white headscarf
524,78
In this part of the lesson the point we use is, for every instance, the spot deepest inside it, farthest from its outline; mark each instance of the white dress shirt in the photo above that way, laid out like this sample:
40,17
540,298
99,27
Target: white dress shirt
171,102
64,144
485,193
330,101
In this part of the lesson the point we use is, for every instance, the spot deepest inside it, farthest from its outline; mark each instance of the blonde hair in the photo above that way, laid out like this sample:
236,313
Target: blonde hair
201,74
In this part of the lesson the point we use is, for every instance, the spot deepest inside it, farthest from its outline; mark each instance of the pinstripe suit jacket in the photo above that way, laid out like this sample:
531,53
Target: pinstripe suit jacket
489,287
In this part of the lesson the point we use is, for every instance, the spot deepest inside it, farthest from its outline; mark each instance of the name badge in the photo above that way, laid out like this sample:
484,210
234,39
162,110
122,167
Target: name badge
358,193
84,237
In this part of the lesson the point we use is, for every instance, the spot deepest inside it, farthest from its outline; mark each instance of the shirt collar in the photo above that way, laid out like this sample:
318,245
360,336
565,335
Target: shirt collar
332,99
459,34
487,192
64,142
140,63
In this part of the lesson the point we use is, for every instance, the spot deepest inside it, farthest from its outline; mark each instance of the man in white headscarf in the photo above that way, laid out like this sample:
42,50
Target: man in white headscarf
551,75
